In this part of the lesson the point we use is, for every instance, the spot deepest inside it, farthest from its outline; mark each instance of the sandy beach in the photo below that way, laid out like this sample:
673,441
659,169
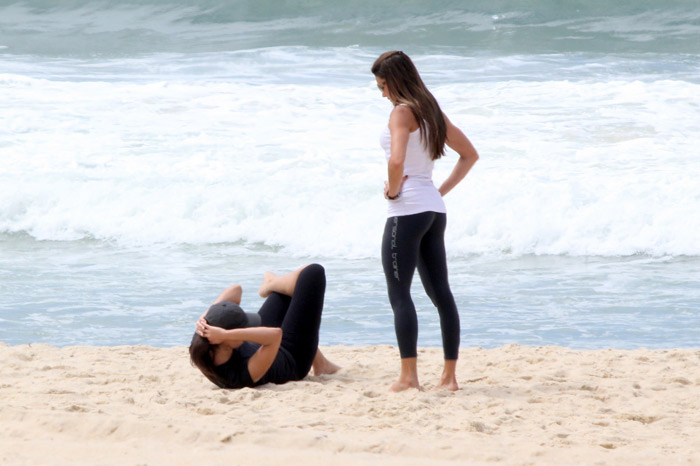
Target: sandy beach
517,405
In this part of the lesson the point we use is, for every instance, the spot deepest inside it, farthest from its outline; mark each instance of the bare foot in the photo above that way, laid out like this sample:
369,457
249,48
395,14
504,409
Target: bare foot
265,288
401,385
448,383
326,367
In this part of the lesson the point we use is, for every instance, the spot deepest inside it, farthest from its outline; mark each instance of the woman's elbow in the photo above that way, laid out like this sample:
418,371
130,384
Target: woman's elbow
471,157
395,164
273,337
468,159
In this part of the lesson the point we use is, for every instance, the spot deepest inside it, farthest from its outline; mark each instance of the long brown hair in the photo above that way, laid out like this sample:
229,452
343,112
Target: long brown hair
406,87
201,356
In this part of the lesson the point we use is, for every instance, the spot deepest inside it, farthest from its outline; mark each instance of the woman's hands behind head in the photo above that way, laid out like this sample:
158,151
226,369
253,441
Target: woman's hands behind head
215,335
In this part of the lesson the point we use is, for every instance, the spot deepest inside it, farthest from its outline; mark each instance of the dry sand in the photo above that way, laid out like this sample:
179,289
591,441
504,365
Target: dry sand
518,405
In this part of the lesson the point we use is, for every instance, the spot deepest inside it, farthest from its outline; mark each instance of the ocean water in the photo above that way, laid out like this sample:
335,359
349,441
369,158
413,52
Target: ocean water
152,153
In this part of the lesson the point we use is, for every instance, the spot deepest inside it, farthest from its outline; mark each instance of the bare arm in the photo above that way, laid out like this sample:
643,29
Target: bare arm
468,156
269,337
400,123
232,293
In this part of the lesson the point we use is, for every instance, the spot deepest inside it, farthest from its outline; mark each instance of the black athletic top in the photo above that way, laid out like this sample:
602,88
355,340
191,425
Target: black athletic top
235,370
299,317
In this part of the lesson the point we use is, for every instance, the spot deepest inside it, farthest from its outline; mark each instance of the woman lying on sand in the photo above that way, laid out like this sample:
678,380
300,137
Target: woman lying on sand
236,349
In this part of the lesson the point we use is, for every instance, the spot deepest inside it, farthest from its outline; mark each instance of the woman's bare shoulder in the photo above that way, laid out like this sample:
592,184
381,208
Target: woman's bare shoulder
402,115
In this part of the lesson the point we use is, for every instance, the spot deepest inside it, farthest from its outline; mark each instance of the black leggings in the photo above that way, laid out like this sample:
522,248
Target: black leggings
299,316
412,241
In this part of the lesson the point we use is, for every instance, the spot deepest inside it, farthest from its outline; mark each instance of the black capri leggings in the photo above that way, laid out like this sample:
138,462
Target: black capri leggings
412,241
299,316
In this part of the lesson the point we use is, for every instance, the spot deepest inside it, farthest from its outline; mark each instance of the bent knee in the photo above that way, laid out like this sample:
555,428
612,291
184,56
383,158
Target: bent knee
315,272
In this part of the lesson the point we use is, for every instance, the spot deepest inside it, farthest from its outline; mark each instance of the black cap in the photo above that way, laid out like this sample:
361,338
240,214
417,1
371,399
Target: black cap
228,315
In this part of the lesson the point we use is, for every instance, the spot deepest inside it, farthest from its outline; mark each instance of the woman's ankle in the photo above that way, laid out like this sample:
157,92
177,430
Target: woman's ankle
408,377
448,379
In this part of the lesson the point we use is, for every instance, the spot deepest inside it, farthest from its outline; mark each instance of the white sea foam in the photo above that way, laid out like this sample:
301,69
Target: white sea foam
579,167
196,148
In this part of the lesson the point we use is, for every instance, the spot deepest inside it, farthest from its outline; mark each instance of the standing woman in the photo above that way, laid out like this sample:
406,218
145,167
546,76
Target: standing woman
416,220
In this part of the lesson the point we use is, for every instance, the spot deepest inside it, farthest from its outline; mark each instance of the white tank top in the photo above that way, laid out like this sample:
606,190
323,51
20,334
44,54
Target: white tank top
418,194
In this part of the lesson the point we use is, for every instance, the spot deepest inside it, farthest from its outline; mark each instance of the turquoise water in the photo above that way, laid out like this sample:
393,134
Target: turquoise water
89,27
154,153
89,292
